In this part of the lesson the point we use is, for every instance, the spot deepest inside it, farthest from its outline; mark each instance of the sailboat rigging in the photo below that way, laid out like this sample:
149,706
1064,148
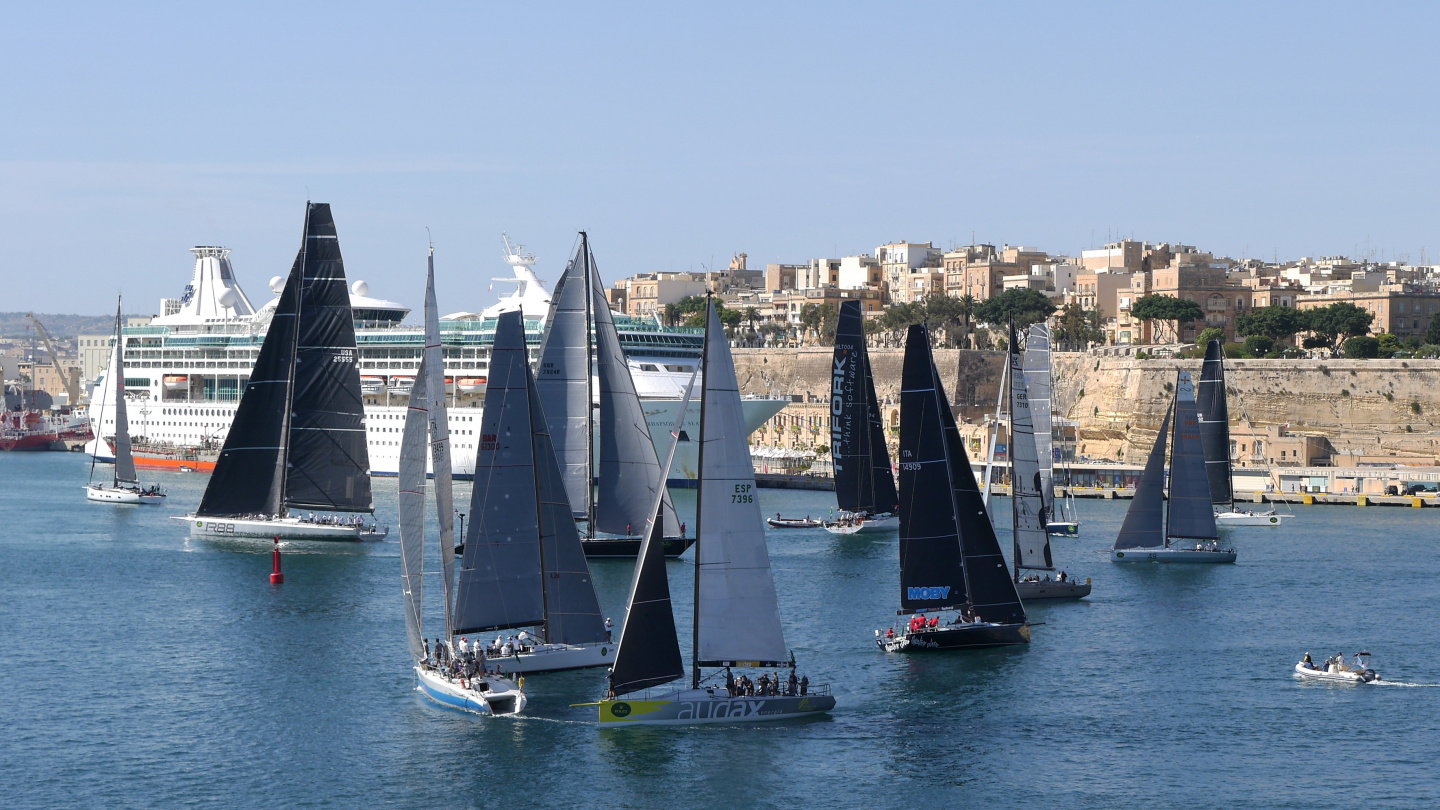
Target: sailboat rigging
124,485
864,482
1214,413
1061,516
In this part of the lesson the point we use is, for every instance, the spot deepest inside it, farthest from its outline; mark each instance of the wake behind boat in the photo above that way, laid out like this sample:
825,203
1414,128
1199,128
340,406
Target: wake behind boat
864,482
1334,669
124,487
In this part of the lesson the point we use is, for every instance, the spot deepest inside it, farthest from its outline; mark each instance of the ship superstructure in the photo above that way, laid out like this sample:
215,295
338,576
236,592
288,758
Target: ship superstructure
185,370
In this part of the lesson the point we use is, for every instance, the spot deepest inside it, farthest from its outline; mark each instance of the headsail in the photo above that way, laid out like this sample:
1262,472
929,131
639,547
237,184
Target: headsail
329,457
1032,541
649,650
1144,525
737,614
499,584
932,574
563,378
1191,514
413,444
863,479
249,476
628,474
1215,424
1037,373
433,372
124,457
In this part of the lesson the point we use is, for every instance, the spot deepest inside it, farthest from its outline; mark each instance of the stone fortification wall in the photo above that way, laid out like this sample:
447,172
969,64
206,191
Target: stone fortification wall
1361,406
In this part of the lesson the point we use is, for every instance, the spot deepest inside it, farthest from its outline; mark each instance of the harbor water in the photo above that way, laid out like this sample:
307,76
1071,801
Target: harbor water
143,668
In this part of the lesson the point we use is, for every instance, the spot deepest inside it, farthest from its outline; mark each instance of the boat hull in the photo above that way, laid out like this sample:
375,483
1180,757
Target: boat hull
285,529
1346,676
497,695
879,523
103,494
1032,591
554,658
793,523
629,547
957,637
1172,555
692,707
1063,529
1237,518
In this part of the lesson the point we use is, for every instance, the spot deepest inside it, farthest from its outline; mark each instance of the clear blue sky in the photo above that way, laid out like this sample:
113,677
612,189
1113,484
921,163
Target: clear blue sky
679,136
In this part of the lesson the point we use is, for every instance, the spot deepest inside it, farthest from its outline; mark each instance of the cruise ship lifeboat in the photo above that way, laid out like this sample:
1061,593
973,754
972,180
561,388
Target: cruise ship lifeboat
372,385
401,385
469,385
176,382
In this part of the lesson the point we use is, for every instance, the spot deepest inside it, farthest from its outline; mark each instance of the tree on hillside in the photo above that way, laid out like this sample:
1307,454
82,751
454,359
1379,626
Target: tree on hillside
1338,321
692,308
1361,347
968,303
820,320
1432,332
900,317
1076,326
1027,306
1274,322
1166,308
1212,333
945,313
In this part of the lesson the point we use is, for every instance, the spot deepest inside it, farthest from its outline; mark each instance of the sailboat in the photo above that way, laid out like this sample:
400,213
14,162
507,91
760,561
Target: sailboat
1029,512
298,437
1147,535
610,489
1214,414
450,680
1061,516
737,614
125,485
523,565
864,482
950,559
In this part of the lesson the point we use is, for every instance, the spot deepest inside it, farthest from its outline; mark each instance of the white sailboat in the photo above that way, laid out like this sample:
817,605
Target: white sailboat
1214,412
124,487
737,613
458,681
1150,529
1061,515
523,565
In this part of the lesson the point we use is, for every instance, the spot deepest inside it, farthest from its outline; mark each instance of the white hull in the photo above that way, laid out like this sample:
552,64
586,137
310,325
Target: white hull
1340,676
554,658
1239,518
879,523
285,528
104,494
1172,555
488,694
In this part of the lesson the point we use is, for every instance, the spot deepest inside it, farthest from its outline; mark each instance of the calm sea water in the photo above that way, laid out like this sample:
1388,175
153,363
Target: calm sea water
142,668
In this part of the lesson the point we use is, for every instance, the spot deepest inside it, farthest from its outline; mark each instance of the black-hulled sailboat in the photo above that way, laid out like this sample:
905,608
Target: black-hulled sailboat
1029,512
737,614
1214,412
864,482
445,674
1150,529
124,487
298,437
1060,515
954,583
609,487
523,565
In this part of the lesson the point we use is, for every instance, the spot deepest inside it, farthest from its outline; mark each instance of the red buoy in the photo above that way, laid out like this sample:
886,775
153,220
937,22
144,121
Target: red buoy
275,576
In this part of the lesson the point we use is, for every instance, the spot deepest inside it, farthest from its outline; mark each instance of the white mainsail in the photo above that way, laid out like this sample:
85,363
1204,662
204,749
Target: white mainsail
737,612
1037,372
433,372
1032,541
124,457
412,514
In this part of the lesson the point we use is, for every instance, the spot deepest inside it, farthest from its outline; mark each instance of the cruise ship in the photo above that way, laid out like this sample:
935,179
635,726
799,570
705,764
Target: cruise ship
185,370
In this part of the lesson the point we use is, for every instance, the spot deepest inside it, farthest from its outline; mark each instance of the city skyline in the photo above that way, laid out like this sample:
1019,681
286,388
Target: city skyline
679,137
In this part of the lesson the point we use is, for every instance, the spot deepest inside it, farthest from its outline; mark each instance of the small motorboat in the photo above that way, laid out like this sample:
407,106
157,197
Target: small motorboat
806,522
1335,669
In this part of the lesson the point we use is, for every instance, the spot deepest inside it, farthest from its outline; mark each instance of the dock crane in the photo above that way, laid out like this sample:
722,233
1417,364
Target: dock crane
72,380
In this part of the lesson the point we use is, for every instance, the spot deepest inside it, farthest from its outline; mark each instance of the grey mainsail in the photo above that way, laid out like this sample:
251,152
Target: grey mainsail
1191,514
1037,374
1144,525
1029,511
737,614
413,444
628,472
500,579
124,456
563,378
433,371
1214,414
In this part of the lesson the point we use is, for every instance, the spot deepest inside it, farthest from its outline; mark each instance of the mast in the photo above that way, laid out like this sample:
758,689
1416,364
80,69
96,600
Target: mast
589,387
439,431
288,414
699,496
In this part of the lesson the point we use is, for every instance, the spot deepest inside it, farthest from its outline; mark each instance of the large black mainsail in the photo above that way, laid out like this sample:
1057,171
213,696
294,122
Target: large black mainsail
1191,514
249,476
863,479
329,458
932,574
1144,525
1214,415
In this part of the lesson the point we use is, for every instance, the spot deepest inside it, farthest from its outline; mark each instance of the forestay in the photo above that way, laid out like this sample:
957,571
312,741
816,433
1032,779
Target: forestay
1030,514
737,613
1191,514
563,378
